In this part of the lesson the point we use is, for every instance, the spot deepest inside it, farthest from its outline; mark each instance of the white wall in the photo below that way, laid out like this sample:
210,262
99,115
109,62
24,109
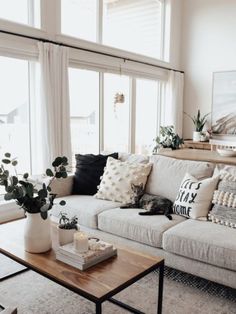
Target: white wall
208,45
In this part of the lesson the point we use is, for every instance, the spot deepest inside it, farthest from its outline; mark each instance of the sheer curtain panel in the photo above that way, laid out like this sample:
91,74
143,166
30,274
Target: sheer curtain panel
55,115
172,113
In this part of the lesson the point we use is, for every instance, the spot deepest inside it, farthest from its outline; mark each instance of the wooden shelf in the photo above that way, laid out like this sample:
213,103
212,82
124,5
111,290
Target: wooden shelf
197,145
199,155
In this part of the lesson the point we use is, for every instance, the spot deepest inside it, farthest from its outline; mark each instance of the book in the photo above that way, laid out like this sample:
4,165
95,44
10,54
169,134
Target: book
85,265
69,251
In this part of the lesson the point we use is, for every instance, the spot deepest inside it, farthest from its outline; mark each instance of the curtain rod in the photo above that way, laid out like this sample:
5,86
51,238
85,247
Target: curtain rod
85,49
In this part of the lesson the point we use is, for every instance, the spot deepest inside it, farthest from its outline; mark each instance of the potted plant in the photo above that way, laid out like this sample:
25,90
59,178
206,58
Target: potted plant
199,123
168,139
66,228
36,201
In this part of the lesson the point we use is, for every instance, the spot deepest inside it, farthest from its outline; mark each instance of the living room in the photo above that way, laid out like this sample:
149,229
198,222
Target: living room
100,195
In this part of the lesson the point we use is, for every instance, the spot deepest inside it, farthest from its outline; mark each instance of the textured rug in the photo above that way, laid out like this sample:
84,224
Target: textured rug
183,294
8,267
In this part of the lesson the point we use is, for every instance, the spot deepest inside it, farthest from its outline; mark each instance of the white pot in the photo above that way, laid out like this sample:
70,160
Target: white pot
37,235
65,235
196,136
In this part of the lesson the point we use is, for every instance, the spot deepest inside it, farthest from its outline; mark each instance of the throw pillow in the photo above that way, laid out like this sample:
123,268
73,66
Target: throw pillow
224,200
89,169
119,176
195,197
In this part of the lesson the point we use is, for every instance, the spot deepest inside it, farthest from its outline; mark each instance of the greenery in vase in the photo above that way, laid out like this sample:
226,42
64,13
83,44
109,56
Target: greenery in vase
198,121
168,139
68,223
25,193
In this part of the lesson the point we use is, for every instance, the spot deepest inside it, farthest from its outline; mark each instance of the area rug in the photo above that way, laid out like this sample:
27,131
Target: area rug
183,294
8,267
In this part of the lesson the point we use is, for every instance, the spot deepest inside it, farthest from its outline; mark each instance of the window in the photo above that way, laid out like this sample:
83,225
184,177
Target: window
146,115
116,116
132,25
84,111
21,11
15,111
79,18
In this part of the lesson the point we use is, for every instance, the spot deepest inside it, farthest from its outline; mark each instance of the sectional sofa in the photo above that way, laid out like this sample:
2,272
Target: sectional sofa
201,248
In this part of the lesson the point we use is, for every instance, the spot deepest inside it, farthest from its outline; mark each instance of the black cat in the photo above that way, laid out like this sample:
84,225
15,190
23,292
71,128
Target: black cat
154,204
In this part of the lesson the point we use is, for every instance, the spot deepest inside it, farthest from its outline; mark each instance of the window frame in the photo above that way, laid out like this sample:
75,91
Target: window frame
132,108
121,52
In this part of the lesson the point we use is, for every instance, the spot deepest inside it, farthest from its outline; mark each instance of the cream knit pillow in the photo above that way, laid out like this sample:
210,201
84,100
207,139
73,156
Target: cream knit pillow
195,197
118,177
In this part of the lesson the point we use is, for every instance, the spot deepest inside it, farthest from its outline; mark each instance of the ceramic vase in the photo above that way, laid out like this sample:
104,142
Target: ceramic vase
196,136
37,233
65,236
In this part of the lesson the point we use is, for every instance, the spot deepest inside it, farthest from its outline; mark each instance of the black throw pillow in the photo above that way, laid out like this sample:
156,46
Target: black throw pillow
89,169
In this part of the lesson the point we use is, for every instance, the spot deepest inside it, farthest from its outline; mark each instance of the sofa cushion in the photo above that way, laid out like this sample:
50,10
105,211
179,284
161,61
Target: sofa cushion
127,223
89,169
203,241
167,174
118,177
195,197
85,207
10,211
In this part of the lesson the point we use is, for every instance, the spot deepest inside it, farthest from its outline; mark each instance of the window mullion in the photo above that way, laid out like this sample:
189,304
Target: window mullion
132,125
101,112
99,21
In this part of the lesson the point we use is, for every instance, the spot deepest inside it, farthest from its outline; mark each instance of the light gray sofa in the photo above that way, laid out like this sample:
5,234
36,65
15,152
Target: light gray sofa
201,248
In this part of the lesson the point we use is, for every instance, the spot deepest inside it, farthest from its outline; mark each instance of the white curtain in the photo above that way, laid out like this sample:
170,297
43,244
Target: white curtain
55,109
172,113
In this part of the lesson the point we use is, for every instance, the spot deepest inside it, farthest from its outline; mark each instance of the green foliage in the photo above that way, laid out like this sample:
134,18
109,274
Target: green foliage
198,121
68,223
167,139
24,192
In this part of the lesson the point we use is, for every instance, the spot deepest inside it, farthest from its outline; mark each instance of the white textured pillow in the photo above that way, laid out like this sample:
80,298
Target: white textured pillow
195,197
118,177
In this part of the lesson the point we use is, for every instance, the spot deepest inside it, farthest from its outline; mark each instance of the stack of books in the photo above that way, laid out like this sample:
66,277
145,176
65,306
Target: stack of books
67,254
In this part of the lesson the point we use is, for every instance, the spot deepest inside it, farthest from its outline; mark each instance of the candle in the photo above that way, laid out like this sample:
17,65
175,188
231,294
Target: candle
80,242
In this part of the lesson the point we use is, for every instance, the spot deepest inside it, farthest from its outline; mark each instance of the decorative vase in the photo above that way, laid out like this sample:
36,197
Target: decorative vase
196,136
65,235
37,234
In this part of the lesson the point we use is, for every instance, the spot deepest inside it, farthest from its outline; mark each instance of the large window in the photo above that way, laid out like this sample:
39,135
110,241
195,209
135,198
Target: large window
84,111
15,110
21,11
79,18
106,114
132,25
116,115
147,104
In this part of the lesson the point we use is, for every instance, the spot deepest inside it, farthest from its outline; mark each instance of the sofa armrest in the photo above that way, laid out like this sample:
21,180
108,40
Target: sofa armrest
62,187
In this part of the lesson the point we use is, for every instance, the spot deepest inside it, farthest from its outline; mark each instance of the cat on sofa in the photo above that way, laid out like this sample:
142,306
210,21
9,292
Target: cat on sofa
153,204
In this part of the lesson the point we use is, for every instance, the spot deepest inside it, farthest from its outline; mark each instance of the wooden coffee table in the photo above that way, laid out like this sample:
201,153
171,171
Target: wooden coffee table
97,284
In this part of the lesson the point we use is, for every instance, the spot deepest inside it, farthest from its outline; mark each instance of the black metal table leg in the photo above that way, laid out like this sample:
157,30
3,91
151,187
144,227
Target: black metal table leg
160,288
98,308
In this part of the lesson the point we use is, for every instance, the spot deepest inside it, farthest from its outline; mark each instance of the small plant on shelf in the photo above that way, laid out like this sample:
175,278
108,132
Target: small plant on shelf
167,139
198,121
68,223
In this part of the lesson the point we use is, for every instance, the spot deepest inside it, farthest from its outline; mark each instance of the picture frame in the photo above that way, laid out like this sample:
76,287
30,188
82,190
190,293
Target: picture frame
223,115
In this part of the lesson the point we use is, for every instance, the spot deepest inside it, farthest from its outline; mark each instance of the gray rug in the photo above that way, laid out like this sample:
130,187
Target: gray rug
183,294
8,267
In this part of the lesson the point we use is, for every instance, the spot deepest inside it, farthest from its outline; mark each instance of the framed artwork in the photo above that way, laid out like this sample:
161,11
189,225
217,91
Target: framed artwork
224,103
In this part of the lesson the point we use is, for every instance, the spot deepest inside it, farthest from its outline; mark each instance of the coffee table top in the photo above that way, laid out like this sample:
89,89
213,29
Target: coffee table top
96,283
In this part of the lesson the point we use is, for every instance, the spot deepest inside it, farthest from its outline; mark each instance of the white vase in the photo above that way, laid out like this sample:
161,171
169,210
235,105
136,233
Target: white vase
196,136
65,235
37,233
